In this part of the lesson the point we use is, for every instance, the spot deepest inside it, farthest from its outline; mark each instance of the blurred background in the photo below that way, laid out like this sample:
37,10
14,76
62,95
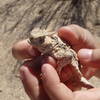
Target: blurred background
19,17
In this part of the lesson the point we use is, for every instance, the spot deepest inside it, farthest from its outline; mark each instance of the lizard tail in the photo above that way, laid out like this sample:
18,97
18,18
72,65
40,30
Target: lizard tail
85,83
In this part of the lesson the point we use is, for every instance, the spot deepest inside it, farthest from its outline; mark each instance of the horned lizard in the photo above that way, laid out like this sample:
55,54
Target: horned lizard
49,43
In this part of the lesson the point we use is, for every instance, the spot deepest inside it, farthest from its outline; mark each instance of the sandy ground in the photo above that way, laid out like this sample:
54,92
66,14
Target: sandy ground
10,85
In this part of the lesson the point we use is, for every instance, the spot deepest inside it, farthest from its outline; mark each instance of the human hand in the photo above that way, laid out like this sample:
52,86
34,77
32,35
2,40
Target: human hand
51,87
23,50
86,46
29,72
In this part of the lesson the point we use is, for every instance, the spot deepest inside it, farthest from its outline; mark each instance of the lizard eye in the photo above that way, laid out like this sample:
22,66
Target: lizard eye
31,39
41,40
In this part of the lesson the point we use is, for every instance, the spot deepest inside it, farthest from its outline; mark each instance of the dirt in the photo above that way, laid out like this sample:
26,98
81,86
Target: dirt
19,17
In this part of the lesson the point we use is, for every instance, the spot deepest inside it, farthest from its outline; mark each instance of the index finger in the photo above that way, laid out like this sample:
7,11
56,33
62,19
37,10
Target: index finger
23,50
78,37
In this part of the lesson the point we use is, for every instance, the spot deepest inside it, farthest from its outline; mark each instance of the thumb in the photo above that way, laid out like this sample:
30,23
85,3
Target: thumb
52,85
89,57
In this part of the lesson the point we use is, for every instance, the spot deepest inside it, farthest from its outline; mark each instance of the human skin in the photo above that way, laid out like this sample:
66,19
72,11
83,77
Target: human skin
52,88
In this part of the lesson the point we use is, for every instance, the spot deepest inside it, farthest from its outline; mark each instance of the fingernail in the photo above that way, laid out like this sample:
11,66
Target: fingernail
21,75
85,54
45,71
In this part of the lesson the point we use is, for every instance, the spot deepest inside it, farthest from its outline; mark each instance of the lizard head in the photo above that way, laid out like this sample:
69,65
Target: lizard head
41,40
37,39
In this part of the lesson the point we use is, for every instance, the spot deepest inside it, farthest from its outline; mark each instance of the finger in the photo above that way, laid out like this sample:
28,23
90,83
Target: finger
31,85
30,82
90,57
77,36
54,88
50,60
23,50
